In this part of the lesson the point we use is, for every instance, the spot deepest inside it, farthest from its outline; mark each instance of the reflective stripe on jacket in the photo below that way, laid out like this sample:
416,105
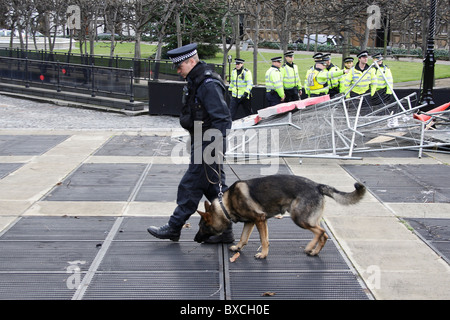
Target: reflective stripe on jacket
290,76
353,76
378,81
274,81
240,84
333,82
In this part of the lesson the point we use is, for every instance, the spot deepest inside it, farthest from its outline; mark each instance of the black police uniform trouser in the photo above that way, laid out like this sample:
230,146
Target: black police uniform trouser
235,103
291,95
193,185
272,98
366,107
381,98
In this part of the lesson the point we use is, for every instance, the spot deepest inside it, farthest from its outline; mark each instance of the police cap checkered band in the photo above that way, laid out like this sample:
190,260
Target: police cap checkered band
363,54
378,56
349,59
178,55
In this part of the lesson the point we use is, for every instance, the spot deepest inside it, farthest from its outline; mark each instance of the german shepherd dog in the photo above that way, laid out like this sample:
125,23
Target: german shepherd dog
256,200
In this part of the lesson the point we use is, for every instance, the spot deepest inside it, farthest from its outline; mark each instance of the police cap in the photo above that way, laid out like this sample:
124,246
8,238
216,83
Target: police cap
363,54
349,59
180,54
238,61
317,56
289,53
377,56
276,59
326,56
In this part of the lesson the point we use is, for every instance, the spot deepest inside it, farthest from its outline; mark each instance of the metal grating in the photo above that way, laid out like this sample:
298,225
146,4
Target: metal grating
60,228
405,183
435,232
28,145
7,168
135,181
156,285
139,146
99,182
115,258
34,286
296,286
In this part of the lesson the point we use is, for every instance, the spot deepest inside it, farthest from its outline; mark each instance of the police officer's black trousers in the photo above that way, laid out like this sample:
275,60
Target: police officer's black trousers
194,184
291,95
272,98
235,103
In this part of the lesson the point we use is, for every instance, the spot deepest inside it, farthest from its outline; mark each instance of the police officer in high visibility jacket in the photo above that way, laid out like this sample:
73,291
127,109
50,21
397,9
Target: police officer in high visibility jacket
333,83
317,78
274,83
348,64
291,79
356,76
381,91
241,84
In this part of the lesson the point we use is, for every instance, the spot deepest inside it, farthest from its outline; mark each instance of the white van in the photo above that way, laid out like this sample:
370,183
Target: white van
322,39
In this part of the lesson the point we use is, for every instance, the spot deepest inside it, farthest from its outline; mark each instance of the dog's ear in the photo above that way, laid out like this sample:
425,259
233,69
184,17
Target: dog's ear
206,216
207,205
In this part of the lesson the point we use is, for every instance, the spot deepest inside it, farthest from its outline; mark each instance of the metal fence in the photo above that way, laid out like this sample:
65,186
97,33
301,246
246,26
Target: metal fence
150,69
58,75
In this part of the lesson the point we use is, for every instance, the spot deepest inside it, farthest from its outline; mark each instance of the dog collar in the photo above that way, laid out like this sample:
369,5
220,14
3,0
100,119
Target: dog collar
223,208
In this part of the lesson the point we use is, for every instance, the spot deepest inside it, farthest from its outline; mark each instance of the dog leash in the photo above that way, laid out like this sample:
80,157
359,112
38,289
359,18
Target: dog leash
220,194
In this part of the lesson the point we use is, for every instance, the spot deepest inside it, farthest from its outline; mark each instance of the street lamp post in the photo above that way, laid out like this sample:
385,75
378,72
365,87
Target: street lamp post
426,96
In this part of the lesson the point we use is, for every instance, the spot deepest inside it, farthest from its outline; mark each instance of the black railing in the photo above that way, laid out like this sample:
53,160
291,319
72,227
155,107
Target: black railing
150,69
91,78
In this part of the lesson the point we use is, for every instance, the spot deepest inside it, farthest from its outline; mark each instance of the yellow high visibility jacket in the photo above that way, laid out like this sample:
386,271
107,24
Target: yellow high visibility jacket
240,84
352,77
316,81
333,82
378,81
274,81
290,76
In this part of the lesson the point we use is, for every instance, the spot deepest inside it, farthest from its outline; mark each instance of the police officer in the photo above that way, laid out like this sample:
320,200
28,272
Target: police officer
204,108
356,73
381,91
348,64
274,83
317,78
333,83
291,79
241,84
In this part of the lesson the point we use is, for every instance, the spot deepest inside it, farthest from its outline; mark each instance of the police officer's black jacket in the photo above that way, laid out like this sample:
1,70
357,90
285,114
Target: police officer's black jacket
204,101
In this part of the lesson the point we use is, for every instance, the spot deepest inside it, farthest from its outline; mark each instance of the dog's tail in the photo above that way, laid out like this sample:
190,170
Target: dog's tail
345,198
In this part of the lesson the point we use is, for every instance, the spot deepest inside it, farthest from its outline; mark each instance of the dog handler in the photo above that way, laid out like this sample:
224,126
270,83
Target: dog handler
203,106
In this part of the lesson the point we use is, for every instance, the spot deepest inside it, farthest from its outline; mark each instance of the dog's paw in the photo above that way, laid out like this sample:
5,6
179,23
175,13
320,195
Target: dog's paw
260,255
312,253
234,248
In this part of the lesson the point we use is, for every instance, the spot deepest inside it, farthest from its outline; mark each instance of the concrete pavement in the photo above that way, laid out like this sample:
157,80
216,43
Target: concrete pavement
390,258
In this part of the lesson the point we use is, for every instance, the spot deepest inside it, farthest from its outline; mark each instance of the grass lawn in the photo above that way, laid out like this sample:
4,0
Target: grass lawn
122,49
401,70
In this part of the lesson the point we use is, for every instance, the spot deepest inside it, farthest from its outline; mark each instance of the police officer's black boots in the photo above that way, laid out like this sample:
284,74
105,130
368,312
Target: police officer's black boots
226,237
165,232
